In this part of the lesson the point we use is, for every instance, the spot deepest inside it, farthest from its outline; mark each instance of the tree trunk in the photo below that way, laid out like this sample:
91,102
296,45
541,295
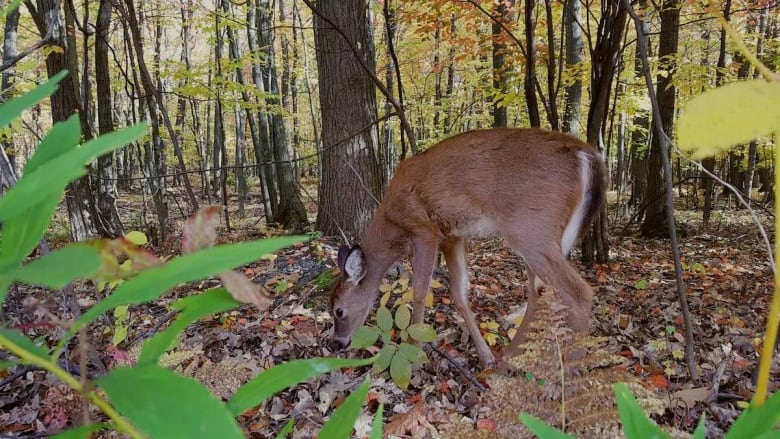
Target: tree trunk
10,36
155,99
574,57
352,176
290,213
604,60
106,193
654,224
263,153
503,13
530,65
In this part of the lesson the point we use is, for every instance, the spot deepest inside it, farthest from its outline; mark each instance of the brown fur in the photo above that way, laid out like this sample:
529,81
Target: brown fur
524,184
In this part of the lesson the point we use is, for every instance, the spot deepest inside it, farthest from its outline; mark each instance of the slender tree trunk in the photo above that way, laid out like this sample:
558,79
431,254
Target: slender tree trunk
106,193
552,89
263,153
10,36
291,213
155,99
640,135
502,11
604,61
574,58
654,224
530,65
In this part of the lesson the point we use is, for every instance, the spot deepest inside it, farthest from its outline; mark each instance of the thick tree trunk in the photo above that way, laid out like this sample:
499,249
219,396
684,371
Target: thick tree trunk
352,176
654,224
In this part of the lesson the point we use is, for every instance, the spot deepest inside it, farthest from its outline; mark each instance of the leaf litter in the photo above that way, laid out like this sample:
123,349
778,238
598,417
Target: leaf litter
728,283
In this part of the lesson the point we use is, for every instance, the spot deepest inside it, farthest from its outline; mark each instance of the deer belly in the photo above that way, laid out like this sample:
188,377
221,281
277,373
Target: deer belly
478,227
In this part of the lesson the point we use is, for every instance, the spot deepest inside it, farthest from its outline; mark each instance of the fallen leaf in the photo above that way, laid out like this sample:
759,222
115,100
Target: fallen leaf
244,291
690,396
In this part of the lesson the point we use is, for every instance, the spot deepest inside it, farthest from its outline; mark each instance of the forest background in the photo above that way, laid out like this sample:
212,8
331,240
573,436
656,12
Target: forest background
294,115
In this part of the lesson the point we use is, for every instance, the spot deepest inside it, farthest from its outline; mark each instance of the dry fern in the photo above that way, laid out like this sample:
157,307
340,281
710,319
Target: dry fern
563,378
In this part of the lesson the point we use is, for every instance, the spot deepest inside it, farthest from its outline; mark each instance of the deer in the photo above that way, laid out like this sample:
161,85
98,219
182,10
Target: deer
538,189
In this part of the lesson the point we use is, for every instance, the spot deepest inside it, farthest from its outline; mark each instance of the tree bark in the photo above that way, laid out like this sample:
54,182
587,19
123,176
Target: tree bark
530,65
654,224
290,212
352,176
501,72
106,193
574,57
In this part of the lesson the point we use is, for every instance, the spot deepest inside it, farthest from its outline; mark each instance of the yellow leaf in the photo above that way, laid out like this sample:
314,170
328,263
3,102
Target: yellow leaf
429,300
136,237
735,113
384,299
384,288
436,284
407,296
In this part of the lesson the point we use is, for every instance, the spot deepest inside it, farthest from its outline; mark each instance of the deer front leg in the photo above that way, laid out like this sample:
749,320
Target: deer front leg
422,265
455,254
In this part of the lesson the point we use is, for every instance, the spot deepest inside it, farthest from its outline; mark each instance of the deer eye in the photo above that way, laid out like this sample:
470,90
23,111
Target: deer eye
339,313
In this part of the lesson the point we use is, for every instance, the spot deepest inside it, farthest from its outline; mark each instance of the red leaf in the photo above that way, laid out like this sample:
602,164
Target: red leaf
487,424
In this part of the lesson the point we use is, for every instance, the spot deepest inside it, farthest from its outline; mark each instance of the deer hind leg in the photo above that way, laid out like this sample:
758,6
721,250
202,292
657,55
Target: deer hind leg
534,286
455,255
550,266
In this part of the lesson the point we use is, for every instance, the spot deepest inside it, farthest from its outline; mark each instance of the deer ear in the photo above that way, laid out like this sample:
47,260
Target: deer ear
342,258
354,264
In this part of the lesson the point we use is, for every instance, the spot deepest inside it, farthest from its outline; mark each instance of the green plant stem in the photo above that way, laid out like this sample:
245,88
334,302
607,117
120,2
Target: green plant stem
120,423
772,322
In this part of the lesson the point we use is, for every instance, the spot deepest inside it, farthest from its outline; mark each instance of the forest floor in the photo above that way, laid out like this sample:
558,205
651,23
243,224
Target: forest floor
727,276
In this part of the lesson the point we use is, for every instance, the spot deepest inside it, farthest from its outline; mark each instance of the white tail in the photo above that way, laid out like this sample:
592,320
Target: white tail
538,189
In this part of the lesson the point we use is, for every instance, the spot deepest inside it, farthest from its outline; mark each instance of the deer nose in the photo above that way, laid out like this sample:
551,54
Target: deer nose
341,342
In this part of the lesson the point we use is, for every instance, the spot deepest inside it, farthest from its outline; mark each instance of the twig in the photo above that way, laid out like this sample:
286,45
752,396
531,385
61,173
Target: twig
156,327
667,169
465,372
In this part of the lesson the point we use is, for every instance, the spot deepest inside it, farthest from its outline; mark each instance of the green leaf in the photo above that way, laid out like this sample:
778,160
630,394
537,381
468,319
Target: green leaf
288,428
57,173
10,7
60,267
422,332
342,421
7,364
757,421
412,353
384,357
11,110
701,428
193,308
541,429
22,234
282,376
20,341
152,283
402,317
82,432
725,116
62,138
641,284
364,337
376,427
401,371
384,319
636,424
163,404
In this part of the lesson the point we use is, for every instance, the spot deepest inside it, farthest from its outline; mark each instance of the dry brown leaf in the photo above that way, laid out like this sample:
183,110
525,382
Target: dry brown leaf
690,396
243,290
411,423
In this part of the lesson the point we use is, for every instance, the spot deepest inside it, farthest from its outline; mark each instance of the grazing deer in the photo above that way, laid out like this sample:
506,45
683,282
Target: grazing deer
538,189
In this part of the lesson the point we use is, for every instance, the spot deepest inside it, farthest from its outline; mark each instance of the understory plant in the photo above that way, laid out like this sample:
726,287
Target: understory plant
146,400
